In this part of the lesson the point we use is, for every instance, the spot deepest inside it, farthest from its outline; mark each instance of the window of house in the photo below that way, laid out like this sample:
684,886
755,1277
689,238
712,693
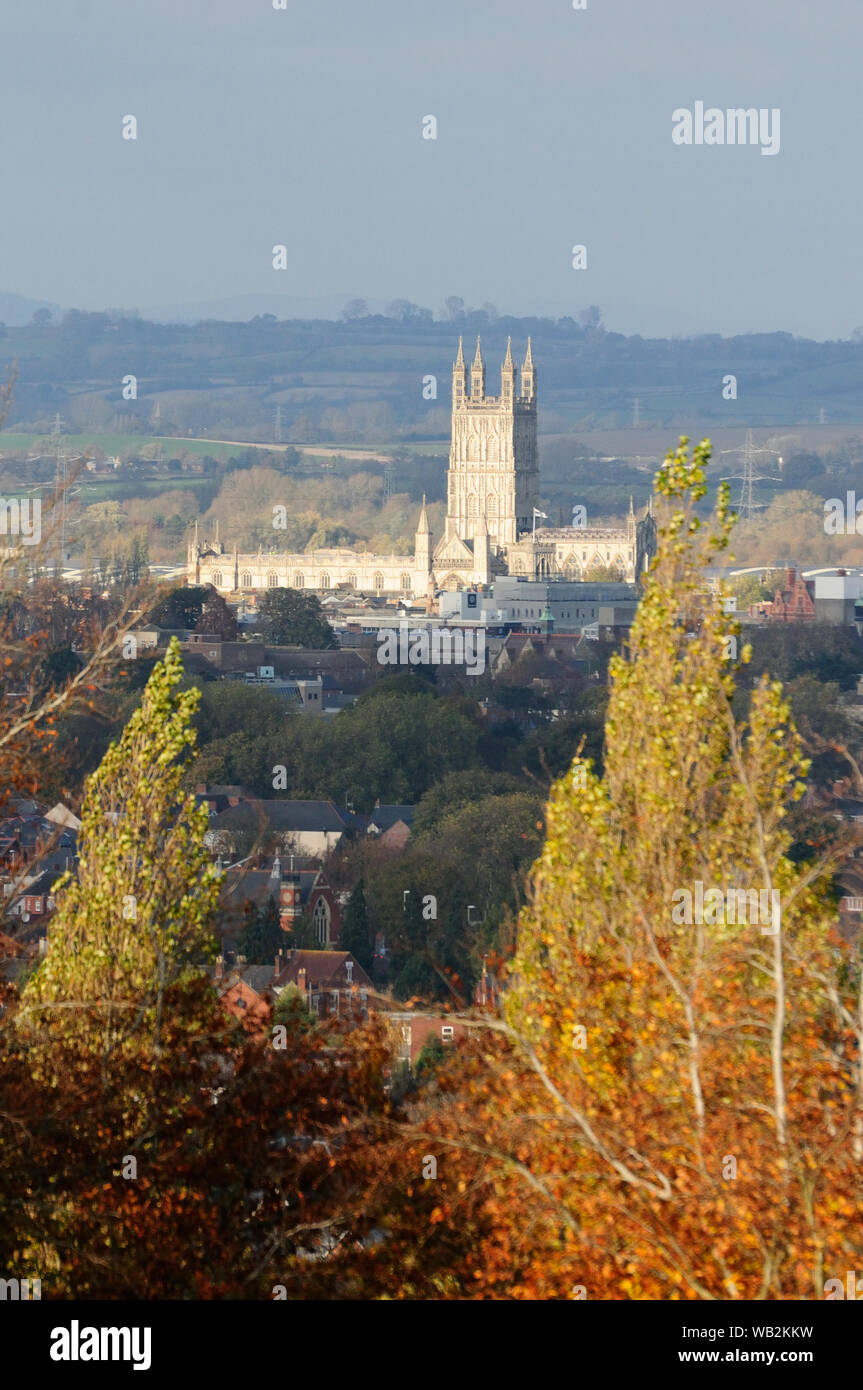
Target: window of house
447,1032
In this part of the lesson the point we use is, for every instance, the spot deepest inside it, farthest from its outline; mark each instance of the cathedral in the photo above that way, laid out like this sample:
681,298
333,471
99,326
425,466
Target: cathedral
490,526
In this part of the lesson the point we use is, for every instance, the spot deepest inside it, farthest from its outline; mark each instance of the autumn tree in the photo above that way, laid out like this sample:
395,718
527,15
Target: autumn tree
671,1105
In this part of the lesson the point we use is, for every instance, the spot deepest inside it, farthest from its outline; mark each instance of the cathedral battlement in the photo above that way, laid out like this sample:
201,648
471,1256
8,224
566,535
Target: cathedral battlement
492,491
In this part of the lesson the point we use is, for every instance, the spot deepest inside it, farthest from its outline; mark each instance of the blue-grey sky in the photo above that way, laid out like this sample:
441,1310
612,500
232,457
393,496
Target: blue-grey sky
302,126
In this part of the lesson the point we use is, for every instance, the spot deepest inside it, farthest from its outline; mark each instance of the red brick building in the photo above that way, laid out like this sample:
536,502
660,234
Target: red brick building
793,603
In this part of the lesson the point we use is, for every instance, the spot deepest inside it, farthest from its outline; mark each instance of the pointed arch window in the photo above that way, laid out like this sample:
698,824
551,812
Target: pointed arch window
321,919
379,581
246,580
217,579
299,581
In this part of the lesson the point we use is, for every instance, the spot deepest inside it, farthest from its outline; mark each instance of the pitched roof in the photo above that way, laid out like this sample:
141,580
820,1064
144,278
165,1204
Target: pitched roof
43,884
288,815
61,815
384,816
323,968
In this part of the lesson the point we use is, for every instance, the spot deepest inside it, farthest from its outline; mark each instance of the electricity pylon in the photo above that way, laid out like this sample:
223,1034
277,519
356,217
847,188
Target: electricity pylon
746,506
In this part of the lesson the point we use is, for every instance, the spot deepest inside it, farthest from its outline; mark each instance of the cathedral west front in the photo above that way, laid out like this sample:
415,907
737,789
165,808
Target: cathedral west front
490,526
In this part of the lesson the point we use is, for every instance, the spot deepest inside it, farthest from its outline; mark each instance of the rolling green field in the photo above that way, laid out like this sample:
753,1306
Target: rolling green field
125,445
120,444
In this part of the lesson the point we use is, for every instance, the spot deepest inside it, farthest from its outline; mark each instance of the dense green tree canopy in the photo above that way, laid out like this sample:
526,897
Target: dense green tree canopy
291,617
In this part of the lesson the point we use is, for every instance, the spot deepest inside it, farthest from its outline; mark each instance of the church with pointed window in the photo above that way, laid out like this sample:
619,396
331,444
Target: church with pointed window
491,517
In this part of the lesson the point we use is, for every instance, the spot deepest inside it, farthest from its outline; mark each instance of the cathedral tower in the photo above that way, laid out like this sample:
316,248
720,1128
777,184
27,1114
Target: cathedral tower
492,479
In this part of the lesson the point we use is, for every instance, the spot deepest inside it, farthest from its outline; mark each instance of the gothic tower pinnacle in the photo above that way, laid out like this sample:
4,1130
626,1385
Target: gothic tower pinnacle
459,377
477,375
507,376
528,376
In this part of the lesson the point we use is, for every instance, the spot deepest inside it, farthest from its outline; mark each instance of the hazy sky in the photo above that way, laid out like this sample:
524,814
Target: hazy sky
304,126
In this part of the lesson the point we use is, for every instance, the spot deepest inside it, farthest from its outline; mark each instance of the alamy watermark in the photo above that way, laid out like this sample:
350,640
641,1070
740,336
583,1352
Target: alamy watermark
20,1290
436,646
21,517
852,1289
735,126
843,518
733,906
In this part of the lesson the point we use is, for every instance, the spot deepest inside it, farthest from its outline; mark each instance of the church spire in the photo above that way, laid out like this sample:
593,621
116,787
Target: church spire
477,374
459,361
423,527
528,376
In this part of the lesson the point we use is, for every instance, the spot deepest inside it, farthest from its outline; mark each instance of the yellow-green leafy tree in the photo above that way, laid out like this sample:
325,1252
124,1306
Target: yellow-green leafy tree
133,923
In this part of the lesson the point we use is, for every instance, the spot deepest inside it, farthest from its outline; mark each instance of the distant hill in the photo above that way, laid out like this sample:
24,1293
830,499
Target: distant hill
16,310
382,381
240,308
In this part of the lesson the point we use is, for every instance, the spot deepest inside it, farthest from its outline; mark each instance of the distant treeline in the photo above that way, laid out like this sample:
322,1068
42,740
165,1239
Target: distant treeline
378,379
